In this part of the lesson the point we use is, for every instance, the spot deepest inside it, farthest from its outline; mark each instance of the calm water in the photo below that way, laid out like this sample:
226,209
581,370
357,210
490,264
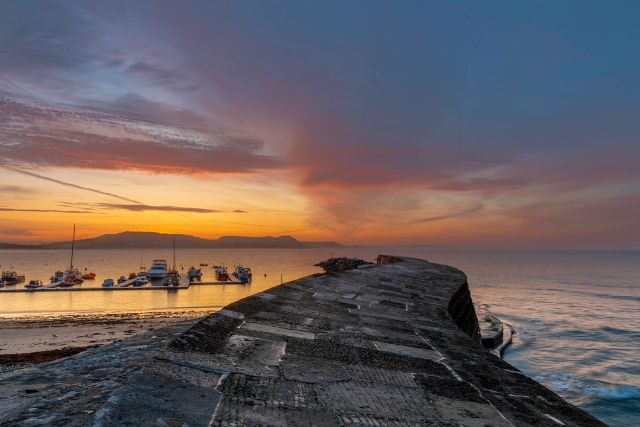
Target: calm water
577,314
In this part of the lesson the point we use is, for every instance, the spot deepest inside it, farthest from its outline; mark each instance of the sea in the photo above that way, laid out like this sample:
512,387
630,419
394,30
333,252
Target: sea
575,314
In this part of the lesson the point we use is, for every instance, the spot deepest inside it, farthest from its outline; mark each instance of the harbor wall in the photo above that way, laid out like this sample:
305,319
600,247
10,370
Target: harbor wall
395,343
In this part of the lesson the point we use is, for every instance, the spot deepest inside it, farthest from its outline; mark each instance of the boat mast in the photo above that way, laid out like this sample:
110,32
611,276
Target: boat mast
174,252
73,243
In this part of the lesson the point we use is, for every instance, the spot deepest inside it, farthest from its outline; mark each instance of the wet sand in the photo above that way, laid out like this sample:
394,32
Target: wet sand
26,341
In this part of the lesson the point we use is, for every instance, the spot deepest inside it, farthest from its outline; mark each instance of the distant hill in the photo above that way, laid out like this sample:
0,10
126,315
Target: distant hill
17,246
136,240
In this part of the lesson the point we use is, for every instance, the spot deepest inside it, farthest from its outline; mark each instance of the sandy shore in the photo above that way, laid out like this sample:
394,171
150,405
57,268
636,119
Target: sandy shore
26,341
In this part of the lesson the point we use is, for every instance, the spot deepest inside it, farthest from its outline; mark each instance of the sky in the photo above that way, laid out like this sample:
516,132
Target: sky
493,124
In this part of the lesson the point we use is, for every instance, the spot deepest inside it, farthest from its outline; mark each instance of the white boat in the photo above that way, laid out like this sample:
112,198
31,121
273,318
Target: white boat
158,270
108,283
141,279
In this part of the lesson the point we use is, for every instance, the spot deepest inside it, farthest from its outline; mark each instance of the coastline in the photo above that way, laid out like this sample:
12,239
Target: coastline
28,340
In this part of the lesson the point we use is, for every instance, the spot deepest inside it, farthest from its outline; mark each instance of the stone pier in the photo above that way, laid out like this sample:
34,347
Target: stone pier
393,344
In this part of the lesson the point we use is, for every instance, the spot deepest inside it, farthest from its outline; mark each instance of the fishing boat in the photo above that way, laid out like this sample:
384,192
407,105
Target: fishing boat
89,276
122,279
222,275
11,278
34,284
194,274
243,274
108,283
132,276
158,270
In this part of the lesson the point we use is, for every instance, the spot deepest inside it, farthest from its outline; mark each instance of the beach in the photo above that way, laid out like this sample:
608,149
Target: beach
29,340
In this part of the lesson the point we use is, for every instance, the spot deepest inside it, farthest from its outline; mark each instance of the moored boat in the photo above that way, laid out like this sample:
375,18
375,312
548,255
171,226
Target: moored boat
141,279
122,279
194,274
89,276
11,278
172,278
158,270
108,283
71,276
222,275
34,284
243,274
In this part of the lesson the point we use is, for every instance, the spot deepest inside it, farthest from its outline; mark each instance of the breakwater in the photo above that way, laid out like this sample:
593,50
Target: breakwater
392,344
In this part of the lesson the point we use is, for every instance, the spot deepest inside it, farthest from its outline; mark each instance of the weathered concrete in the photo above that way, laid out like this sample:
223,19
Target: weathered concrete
395,344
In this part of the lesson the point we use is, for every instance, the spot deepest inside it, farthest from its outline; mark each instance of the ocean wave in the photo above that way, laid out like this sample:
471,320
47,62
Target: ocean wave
614,392
565,384
596,294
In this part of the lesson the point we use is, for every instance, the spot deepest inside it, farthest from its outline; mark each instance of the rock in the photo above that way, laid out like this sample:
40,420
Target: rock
341,264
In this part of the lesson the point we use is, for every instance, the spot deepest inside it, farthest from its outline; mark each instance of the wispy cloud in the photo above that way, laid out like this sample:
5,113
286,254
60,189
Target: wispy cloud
3,209
142,208
97,137
69,184
476,208
16,189
16,232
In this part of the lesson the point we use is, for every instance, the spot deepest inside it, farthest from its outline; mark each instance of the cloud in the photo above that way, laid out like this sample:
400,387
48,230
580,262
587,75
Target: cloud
367,109
142,208
3,209
476,208
68,184
16,189
16,232
70,137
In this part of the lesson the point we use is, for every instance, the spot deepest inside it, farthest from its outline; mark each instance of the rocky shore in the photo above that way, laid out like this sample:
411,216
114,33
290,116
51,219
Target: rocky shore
395,344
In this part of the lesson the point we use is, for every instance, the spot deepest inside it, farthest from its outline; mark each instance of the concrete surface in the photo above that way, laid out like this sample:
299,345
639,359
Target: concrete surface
397,344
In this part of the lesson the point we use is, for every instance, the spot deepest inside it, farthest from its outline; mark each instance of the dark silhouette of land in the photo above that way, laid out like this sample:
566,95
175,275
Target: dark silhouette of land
134,239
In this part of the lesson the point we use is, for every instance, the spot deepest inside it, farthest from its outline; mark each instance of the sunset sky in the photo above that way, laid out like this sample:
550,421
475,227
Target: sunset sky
473,124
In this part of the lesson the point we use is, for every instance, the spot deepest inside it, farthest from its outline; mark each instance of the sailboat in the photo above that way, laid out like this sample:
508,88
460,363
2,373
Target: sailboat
71,276
173,278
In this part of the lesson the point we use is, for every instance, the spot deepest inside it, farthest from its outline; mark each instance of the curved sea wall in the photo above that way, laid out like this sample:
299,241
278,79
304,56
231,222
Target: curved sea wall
395,343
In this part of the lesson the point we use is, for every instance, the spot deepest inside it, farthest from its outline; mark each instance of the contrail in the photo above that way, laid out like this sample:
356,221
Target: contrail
68,184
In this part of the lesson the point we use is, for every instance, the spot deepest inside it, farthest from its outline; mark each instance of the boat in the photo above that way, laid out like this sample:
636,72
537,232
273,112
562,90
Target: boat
194,274
141,279
34,284
172,278
11,278
89,276
243,274
132,276
222,275
71,276
69,281
158,270
122,279
108,283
